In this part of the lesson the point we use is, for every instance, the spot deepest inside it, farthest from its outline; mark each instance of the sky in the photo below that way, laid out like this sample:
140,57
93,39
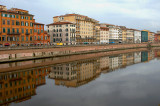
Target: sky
138,14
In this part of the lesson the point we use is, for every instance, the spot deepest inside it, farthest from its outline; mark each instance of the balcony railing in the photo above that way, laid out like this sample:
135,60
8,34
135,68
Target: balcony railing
13,33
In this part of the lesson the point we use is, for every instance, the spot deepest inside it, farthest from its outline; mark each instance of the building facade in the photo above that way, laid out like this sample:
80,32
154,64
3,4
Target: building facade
18,28
130,36
104,35
144,36
137,36
85,27
62,33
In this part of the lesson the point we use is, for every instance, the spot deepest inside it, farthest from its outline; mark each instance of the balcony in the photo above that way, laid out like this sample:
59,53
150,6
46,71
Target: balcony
27,33
13,33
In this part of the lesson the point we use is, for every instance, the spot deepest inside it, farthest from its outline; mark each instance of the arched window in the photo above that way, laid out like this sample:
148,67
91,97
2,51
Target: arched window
66,34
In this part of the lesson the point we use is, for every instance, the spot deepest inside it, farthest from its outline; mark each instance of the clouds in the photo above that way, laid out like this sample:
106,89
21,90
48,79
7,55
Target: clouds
143,13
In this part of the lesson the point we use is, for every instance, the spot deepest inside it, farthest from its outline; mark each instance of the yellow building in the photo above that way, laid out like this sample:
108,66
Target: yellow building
124,33
85,27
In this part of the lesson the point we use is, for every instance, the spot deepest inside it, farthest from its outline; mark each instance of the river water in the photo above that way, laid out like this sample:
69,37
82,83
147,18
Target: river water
130,79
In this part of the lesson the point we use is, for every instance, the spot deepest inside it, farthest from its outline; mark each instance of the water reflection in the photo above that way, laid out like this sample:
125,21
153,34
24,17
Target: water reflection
21,85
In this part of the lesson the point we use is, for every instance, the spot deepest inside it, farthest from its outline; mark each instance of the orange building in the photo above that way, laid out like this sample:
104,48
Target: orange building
17,27
46,38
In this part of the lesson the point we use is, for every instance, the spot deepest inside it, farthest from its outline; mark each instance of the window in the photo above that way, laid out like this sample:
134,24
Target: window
17,22
17,38
3,15
12,22
4,38
31,24
22,23
54,35
67,30
38,31
26,24
8,15
26,30
26,38
0,39
34,37
8,22
13,30
31,31
22,30
54,30
13,16
38,37
60,35
22,38
4,30
3,22
26,18
66,39
8,30
30,38
45,37
35,30
54,40
66,34
41,37
30,18
17,30
42,31
22,17
17,16
60,30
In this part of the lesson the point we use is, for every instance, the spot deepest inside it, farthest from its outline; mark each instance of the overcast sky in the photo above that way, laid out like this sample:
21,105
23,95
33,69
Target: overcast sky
139,14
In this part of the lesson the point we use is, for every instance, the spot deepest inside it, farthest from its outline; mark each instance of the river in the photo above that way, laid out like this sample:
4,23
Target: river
126,79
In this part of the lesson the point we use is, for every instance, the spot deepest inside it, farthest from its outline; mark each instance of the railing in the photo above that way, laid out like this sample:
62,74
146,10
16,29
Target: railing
13,33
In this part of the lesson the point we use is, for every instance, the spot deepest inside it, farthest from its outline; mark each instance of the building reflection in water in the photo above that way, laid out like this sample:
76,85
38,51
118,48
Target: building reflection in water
75,74
18,86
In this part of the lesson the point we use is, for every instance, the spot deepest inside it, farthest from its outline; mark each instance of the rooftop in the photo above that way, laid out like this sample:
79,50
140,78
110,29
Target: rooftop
36,23
59,23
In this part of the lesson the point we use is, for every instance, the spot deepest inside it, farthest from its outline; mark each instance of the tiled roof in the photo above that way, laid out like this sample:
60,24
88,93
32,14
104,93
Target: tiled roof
104,28
59,23
36,23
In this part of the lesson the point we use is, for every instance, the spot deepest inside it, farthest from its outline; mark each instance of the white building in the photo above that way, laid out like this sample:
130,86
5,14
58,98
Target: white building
113,63
104,35
137,57
114,32
62,33
137,36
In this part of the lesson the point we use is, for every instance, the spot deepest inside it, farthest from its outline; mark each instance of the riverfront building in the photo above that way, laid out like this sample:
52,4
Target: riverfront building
130,36
85,27
104,35
62,33
144,36
157,37
137,36
17,27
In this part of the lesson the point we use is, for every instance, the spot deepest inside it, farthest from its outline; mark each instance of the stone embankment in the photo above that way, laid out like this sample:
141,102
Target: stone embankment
29,54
